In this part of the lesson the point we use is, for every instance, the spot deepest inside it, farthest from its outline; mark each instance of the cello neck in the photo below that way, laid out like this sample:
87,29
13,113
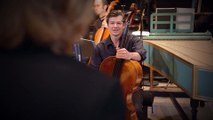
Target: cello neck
123,44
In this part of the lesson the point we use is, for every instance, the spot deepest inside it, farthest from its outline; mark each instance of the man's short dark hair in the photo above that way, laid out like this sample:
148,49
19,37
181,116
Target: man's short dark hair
114,13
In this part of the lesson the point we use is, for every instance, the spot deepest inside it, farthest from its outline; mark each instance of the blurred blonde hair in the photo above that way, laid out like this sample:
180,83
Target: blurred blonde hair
51,23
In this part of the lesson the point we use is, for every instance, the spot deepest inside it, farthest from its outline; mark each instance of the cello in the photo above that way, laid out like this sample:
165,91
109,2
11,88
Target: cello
103,32
129,72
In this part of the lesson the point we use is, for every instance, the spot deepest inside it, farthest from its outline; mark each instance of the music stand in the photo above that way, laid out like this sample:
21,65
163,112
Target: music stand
87,48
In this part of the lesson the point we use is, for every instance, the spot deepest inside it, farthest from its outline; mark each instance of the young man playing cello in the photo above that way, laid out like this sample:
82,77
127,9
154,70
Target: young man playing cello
110,46
134,51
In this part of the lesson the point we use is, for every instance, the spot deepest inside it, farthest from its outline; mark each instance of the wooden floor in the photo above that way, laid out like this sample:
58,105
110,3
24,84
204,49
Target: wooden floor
164,109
